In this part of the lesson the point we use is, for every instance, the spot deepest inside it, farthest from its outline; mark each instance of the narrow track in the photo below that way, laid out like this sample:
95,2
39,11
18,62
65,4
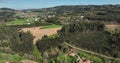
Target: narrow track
97,54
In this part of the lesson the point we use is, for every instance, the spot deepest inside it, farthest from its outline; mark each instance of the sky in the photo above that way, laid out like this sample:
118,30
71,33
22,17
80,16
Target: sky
35,4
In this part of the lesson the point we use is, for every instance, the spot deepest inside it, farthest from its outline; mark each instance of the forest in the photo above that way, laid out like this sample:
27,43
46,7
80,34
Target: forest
87,35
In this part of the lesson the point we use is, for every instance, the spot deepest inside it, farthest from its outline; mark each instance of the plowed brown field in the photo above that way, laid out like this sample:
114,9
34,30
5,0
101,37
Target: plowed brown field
38,32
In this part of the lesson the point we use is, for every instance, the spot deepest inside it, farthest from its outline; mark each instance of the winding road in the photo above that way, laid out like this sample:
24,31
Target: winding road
97,54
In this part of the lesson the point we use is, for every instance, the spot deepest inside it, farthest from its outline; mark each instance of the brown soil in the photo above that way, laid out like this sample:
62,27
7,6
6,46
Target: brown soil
28,61
112,26
38,32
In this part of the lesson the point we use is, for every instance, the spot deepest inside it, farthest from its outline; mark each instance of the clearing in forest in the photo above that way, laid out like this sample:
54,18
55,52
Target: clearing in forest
39,32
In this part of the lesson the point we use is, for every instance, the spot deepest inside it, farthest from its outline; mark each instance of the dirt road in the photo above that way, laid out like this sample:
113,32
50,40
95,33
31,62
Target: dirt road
28,61
112,26
93,53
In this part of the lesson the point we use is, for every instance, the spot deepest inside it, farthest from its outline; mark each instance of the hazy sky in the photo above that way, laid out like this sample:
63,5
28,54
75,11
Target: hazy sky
27,4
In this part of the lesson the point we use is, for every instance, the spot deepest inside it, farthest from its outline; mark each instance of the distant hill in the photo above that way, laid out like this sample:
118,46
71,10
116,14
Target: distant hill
7,9
6,14
90,12
76,8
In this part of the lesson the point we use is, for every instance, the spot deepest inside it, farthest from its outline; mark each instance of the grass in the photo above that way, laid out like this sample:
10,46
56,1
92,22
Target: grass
17,22
2,61
51,26
9,57
37,54
20,22
4,57
24,22
65,57
91,57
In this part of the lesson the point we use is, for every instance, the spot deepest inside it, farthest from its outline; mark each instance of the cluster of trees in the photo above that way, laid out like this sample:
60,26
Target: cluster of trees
53,20
83,27
18,42
97,40
47,43
22,43
107,17
114,42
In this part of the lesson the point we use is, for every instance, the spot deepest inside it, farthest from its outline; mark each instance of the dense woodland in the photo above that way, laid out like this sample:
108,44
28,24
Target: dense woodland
14,41
92,36
87,35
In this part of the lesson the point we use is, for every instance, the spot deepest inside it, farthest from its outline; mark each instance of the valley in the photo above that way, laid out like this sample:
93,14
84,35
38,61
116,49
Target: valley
60,34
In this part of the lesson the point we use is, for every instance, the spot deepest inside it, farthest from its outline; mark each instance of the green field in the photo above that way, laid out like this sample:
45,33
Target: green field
17,22
9,57
51,26
24,22
20,22
92,58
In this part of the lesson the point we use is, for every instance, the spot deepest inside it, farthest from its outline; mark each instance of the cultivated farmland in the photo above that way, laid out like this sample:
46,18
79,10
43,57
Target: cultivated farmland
39,32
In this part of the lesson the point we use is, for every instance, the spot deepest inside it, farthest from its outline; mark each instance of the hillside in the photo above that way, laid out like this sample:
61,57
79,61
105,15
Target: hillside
61,34
63,14
90,12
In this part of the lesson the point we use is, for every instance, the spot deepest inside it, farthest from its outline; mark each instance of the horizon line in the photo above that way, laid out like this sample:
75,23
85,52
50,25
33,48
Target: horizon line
60,5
